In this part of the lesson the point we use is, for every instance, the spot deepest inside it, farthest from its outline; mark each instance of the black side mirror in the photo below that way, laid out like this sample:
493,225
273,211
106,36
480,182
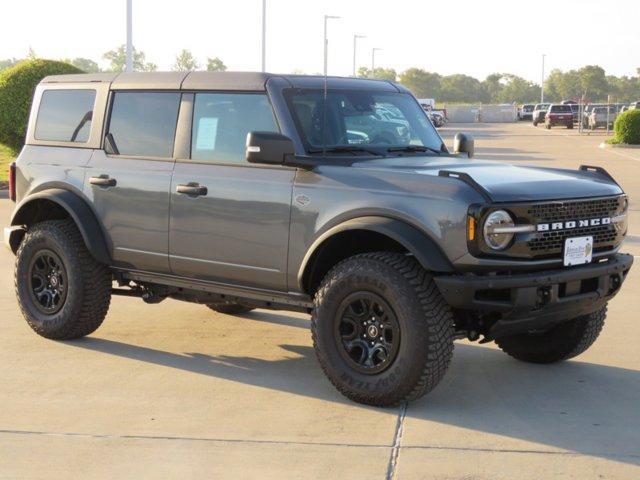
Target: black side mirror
268,147
464,143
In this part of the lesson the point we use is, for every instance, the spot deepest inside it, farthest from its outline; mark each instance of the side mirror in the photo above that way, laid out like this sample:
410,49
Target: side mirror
464,143
268,147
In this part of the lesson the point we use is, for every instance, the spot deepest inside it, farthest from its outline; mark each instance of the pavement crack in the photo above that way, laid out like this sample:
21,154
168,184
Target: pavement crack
397,441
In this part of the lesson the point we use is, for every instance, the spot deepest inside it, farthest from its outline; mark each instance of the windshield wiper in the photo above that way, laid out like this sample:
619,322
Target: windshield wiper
353,149
413,148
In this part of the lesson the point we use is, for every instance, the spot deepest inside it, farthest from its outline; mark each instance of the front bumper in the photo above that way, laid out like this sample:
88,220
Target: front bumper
537,300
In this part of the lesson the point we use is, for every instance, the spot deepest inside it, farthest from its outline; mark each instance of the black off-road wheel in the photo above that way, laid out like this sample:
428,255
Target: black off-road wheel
63,292
229,308
566,340
382,332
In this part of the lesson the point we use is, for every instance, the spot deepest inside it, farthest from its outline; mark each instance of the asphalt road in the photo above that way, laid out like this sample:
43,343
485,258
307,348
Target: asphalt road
177,391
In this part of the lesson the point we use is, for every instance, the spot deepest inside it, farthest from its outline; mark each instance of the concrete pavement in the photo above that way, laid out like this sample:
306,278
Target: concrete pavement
177,391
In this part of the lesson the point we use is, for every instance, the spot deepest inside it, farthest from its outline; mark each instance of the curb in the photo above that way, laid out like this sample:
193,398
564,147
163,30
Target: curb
618,145
4,193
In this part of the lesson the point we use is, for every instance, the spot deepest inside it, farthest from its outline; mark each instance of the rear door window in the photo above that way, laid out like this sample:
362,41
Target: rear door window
221,122
143,124
65,115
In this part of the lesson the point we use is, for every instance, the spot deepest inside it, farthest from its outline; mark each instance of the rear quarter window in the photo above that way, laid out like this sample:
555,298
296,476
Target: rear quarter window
65,115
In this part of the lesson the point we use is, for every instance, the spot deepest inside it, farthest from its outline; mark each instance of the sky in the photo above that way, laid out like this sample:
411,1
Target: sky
475,37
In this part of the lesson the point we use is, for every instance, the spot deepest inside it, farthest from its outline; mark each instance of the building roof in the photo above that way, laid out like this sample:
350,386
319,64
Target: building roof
240,81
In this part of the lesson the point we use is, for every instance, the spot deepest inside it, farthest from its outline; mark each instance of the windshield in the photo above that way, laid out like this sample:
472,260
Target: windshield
371,120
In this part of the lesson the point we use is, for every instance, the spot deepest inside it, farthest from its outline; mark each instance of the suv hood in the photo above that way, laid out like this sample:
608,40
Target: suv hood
509,183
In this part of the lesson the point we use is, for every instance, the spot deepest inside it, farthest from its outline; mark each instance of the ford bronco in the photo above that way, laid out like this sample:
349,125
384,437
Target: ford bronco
250,190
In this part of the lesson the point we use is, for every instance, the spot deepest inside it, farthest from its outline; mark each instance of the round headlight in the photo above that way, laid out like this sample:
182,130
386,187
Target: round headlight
495,220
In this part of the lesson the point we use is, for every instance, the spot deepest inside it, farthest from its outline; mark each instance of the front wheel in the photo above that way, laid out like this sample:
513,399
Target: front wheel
63,292
566,340
382,332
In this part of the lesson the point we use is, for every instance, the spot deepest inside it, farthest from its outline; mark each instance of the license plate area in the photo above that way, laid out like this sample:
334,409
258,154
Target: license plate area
578,251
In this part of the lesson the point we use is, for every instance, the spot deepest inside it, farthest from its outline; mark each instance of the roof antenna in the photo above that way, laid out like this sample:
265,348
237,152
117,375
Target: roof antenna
324,93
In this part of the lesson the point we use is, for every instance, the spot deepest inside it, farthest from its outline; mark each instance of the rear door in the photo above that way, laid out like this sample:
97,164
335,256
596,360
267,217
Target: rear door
229,219
129,181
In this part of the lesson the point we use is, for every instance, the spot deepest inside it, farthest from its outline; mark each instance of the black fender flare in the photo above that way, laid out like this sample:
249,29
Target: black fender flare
415,241
80,213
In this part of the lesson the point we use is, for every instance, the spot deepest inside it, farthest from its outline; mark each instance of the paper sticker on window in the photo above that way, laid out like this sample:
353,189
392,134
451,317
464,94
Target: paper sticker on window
207,132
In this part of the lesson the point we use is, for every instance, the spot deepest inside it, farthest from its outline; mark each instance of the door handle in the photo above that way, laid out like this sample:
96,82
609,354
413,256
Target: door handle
192,189
103,181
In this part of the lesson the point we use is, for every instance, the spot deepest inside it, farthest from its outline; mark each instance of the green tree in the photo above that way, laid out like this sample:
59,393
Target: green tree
185,62
84,64
215,65
491,88
380,73
118,60
421,83
594,82
460,88
31,54
517,89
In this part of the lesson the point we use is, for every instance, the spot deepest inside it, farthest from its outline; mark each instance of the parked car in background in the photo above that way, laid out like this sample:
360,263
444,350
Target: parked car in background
539,112
559,114
602,117
436,118
634,105
526,112
586,111
575,109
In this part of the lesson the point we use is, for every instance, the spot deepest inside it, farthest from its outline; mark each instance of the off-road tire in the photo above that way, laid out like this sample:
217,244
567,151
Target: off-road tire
229,308
566,340
88,293
425,322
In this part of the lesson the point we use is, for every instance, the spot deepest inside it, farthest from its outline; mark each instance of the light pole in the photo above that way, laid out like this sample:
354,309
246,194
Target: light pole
542,81
373,60
355,39
129,61
264,35
326,40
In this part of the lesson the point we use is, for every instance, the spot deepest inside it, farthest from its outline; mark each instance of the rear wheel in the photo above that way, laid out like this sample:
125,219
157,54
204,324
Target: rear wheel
381,330
229,308
566,340
62,291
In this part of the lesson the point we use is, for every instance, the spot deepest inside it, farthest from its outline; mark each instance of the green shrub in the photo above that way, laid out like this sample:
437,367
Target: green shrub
17,85
627,127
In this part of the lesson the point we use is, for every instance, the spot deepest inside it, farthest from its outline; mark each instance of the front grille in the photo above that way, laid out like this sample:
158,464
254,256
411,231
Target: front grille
561,211
551,243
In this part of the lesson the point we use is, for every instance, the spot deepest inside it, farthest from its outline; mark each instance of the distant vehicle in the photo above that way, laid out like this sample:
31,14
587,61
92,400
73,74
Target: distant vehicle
427,104
559,114
569,102
526,112
575,109
624,108
601,117
634,106
436,118
586,111
539,112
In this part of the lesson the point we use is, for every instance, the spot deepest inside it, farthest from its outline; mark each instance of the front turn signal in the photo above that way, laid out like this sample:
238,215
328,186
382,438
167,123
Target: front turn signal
471,228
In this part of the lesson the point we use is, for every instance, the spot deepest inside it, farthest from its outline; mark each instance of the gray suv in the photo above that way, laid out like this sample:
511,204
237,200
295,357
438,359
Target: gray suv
249,190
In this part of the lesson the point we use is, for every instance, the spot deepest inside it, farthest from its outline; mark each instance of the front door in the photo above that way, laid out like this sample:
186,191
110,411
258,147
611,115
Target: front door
229,219
129,183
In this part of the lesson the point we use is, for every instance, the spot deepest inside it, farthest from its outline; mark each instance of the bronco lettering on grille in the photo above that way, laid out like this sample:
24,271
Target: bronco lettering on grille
591,222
